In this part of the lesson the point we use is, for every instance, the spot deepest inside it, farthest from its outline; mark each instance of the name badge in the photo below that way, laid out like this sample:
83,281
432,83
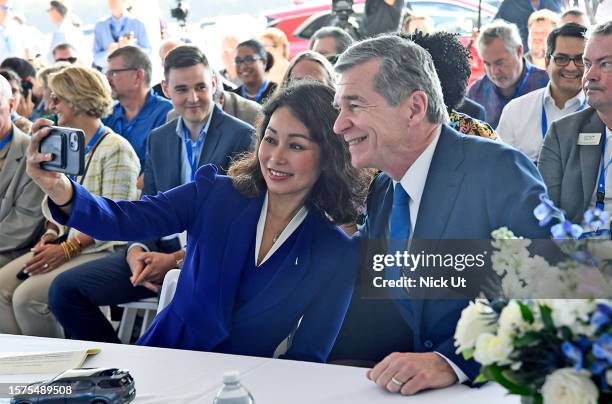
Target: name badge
589,139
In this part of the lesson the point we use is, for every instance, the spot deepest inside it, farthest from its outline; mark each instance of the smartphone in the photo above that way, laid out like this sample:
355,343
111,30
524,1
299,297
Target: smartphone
67,145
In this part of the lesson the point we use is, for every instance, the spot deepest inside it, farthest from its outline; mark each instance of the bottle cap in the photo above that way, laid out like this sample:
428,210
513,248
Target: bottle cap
232,376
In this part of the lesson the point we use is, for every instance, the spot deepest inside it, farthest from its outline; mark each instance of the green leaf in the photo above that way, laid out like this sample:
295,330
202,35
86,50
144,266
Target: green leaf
497,375
527,339
468,354
480,378
526,312
546,311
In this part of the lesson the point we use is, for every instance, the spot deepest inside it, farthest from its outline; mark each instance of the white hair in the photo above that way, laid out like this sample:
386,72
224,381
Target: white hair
5,90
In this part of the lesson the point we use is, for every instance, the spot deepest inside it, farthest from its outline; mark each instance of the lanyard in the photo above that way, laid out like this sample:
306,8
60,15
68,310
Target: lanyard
523,83
189,146
601,184
259,92
117,33
545,119
94,139
7,139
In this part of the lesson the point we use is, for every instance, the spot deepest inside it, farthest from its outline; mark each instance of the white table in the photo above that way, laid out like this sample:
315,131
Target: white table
175,376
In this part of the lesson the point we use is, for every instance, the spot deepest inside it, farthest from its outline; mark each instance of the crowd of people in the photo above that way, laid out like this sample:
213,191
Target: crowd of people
285,173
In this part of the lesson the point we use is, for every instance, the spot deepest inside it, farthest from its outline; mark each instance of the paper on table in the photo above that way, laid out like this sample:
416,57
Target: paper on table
13,363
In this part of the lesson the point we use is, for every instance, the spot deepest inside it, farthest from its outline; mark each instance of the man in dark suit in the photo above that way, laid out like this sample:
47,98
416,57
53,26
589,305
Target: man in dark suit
435,184
202,134
576,158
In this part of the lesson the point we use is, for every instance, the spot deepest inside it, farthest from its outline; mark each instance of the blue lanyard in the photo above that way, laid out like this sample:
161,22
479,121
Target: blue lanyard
117,33
545,119
128,129
259,92
189,146
601,184
523,83
94,139
7,139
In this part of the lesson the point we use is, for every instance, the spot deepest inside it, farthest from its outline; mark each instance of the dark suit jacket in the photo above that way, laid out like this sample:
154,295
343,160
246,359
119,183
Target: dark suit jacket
570,170
473,187
314,282
226,137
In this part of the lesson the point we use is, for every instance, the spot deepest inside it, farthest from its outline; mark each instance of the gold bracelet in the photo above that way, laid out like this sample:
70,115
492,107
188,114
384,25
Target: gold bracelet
72,248
66,253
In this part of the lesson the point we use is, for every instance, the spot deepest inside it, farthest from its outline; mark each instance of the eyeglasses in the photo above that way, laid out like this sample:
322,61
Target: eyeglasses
115,72
247,60
70,60
54,98
563,60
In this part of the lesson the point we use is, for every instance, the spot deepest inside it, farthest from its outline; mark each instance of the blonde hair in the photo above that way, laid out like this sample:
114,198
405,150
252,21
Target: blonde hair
43,75
86,89
543,15
278,38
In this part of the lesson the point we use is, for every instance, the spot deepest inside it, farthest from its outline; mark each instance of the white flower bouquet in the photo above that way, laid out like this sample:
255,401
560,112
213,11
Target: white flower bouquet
545,350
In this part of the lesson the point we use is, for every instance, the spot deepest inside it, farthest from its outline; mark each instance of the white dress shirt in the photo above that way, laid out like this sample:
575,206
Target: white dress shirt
413,183
520,124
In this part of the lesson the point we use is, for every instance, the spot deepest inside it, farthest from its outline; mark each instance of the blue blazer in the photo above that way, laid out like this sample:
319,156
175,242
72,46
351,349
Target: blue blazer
226,138
314,283
473,187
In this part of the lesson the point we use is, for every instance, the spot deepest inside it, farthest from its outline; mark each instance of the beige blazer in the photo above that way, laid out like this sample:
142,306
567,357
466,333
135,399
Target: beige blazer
21,218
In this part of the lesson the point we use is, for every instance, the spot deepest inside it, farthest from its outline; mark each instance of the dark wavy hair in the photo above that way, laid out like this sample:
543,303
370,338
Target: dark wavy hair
451,60
340,190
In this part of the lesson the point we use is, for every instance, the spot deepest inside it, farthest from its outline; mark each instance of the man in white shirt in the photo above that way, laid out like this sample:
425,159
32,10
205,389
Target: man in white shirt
448,187
525,120
576,158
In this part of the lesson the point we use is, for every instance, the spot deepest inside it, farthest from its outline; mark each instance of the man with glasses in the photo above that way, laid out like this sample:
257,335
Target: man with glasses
525,120
576,158
139,109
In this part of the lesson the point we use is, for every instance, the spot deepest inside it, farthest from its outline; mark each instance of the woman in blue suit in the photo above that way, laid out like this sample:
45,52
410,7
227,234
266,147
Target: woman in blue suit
262,249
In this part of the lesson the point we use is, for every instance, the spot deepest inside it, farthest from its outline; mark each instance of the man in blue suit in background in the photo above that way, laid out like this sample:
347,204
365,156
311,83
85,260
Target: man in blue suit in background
202,134
435,184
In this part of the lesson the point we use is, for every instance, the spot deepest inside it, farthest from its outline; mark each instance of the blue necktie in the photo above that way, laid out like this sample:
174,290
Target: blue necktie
399,231
400,215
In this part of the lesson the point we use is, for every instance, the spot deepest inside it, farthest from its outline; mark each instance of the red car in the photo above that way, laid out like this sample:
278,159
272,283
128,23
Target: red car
300,21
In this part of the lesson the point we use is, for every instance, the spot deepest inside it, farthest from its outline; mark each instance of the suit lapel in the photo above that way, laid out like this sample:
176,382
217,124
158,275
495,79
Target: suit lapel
236,253
12,160
589,161
174,147
212,136
437,202
441,187
289,274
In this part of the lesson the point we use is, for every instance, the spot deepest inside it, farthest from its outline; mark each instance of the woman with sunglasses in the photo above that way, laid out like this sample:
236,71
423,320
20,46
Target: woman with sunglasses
263,254
79,97
252,62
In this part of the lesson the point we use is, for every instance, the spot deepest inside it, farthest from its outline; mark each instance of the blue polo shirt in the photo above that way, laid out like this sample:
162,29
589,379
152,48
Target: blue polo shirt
152,115
487,94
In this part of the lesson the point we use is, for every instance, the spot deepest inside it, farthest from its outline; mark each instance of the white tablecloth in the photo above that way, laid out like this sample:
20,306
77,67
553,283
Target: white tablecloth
175,376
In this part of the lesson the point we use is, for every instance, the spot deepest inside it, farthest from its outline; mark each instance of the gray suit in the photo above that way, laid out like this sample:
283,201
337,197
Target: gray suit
21,217
570,170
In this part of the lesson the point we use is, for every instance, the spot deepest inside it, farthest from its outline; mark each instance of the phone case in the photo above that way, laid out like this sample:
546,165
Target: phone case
67,145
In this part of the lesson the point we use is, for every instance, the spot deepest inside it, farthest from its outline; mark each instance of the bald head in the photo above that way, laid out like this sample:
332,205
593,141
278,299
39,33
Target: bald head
7,104
166,47
5,90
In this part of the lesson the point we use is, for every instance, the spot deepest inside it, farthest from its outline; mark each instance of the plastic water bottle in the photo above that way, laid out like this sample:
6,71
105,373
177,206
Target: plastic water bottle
232,391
